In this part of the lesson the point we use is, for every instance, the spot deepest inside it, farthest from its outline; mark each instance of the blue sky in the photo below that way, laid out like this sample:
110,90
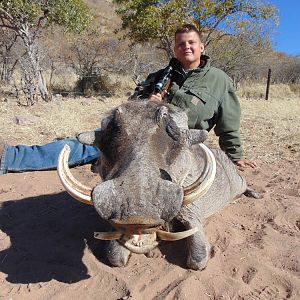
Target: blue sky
287,35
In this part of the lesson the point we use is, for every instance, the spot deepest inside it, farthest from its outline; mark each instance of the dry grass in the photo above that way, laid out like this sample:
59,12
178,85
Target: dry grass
60,118
258,91
270,129
63,80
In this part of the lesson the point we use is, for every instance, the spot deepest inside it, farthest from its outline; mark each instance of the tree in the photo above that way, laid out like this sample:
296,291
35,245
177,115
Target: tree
285,68
27,19
7,61
239,55
156,20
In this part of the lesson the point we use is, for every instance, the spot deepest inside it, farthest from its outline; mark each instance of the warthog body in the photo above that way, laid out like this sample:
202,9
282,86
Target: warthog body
149,158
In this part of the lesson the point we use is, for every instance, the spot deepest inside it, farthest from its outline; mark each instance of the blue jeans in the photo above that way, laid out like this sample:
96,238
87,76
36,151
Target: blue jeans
23,158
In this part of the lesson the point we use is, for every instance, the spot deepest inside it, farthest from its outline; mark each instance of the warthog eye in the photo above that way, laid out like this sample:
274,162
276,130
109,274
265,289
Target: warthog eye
165,175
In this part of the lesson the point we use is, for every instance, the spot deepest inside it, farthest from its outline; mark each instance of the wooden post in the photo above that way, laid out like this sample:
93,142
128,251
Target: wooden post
268,84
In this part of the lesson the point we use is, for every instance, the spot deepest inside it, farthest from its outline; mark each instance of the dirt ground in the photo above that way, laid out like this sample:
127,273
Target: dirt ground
47,249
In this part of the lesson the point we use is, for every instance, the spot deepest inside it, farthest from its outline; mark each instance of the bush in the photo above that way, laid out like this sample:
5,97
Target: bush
94,85
295,88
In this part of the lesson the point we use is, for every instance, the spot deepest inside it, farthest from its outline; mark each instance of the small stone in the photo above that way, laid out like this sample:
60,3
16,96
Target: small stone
25,119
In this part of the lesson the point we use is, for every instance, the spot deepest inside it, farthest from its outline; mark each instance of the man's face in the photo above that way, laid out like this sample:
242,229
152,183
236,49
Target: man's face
188,49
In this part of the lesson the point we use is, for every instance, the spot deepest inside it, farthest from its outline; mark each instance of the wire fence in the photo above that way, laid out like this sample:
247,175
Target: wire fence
74,93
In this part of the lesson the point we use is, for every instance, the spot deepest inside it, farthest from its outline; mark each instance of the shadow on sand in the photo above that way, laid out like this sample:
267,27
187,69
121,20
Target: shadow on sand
48,235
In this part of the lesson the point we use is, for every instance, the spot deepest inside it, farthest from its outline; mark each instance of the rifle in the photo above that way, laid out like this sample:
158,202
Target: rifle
163,84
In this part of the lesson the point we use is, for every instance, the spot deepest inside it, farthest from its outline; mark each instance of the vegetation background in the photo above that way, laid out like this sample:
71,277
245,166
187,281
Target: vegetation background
56,56
103,47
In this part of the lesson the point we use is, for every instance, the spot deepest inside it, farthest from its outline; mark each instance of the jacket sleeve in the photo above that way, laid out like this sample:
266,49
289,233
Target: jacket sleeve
228,125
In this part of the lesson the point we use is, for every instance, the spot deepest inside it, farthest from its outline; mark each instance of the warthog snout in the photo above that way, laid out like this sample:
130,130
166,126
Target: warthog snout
136,225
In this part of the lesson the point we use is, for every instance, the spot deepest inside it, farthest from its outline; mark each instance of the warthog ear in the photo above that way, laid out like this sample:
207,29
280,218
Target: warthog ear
119,111
196,136
161,113
89,137
105,122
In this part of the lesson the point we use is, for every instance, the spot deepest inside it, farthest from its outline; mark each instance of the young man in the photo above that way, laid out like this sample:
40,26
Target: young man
205,92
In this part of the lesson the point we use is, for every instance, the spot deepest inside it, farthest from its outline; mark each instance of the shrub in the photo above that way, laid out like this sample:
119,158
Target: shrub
95,84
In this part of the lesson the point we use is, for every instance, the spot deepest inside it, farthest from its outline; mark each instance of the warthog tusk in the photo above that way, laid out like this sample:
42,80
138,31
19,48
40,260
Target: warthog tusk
76,189
140,250
175,236
107,236
140,244
137,243
200,187
143,243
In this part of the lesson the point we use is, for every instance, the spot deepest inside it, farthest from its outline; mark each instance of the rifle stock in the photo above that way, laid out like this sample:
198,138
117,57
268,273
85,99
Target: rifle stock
164,83
165,90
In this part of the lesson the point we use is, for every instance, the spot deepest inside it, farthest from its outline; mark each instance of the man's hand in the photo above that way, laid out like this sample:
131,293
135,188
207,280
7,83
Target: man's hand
243,163
155,97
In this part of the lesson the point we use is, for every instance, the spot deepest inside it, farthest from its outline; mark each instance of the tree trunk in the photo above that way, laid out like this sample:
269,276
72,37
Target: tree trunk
30,65
42,86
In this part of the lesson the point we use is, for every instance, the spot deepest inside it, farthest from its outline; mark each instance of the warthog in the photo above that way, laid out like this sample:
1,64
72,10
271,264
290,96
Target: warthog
154,170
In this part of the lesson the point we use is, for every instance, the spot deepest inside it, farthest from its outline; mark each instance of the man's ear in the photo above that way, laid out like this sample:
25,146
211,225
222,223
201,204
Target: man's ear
202,48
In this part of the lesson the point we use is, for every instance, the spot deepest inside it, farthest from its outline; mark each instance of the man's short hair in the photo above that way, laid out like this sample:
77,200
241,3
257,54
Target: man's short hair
188,28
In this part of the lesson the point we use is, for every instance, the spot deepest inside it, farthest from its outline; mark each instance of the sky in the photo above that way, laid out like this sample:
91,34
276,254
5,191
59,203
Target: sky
287,35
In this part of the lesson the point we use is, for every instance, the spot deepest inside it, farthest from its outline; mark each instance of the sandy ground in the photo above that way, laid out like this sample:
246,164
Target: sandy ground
47,249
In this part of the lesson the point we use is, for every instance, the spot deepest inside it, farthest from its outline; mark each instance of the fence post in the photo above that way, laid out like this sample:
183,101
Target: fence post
268,84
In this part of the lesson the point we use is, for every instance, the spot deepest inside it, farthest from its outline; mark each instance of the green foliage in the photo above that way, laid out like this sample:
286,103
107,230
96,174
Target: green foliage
150,20
19,9
154,20
71,14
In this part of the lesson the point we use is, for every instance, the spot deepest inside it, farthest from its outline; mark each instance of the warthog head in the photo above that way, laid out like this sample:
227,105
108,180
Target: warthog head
145,158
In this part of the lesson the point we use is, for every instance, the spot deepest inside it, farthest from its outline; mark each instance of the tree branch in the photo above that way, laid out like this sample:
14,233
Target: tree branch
4,14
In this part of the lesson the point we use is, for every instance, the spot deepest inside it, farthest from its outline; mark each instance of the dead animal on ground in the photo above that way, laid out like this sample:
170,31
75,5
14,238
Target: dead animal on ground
155,170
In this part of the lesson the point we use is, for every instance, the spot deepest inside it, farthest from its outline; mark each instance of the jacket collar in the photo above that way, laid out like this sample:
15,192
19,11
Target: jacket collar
204,65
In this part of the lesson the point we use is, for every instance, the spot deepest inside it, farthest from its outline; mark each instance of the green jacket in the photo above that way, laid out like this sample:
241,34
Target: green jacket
208,97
